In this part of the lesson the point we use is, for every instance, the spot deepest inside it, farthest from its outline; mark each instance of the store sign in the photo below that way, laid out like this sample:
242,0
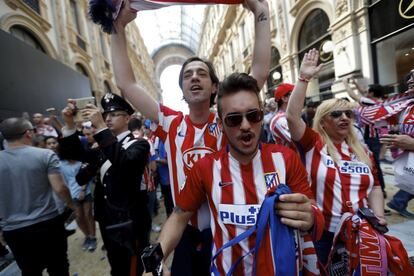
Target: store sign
406,9
388,16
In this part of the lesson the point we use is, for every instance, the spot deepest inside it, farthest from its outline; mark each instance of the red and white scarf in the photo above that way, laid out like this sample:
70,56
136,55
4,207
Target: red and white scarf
369,115
369,252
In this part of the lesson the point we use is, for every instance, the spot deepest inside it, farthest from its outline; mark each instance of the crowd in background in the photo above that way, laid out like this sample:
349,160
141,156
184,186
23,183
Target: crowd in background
215,169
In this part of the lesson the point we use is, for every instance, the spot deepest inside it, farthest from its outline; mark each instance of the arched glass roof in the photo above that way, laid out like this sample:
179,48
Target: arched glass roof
171,25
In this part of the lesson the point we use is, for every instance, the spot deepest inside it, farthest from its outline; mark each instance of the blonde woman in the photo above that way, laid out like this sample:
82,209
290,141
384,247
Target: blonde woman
340,169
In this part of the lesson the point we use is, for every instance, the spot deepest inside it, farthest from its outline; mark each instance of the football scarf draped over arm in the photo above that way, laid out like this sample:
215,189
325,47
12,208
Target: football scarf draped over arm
104,12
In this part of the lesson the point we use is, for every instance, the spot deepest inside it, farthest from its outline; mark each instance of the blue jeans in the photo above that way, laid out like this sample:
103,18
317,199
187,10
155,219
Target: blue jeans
401,199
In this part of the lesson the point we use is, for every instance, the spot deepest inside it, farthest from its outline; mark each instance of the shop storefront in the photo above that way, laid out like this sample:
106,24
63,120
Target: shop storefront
392,40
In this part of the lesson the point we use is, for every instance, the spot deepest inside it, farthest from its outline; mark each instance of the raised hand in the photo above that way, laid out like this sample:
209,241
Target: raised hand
68,112
93,114
309,67
126,15
257,6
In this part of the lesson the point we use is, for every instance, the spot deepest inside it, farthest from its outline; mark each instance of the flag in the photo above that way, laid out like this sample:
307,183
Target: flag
104,12
371,114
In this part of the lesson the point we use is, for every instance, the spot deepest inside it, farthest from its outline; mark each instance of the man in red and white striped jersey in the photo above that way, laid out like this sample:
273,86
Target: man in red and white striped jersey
278,124
187,138
235,181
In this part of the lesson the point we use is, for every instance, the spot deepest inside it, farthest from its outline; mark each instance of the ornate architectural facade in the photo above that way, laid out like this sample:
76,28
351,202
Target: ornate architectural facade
353,36
340,29
61,29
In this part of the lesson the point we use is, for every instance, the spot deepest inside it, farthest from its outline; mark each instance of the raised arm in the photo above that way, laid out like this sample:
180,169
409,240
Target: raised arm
124,75
350,91
262,43
308,69
361,91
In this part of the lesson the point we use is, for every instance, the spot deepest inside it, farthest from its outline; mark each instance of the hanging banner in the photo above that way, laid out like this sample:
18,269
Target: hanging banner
104,12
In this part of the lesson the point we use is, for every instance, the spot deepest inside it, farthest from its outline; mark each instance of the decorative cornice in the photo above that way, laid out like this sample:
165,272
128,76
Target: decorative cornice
39,18
296,6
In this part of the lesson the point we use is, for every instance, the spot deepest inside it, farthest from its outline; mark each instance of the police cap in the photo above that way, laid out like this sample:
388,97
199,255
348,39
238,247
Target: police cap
112,102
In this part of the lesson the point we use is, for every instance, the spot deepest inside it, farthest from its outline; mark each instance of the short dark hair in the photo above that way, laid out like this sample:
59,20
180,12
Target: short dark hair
233,84
377,89
211,71
38,140
14,128
279,103
134,123
49,137
312,104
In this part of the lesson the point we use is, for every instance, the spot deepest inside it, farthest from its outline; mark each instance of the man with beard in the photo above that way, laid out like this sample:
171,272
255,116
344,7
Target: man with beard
187,138
234,182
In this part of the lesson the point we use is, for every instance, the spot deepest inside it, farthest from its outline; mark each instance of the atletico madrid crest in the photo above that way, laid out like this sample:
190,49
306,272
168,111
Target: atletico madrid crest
271,180
213,129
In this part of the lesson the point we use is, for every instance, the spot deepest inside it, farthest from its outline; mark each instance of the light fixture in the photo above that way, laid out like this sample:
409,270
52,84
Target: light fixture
328,46
407,54
276,75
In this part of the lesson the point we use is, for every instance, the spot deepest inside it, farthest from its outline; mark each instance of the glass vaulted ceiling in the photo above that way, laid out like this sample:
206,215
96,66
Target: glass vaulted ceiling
172,25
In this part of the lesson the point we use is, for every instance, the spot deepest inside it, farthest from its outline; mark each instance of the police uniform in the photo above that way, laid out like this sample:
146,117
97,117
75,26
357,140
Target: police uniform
123,216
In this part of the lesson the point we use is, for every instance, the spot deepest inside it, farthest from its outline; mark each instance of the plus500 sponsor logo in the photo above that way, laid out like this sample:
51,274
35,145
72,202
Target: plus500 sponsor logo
239,214
191,156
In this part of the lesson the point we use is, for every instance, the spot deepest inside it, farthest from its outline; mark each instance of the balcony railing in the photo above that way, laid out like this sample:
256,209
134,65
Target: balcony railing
33,4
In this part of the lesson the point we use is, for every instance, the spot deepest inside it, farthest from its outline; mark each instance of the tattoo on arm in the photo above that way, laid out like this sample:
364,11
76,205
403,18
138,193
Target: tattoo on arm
261,17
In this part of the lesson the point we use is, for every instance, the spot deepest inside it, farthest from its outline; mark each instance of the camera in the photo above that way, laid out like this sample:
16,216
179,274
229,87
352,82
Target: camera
369,215
151,258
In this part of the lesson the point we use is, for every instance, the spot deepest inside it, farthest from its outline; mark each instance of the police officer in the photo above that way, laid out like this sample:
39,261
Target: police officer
123,219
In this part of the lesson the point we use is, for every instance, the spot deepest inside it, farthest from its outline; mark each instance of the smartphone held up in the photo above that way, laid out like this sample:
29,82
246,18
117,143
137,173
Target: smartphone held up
80,104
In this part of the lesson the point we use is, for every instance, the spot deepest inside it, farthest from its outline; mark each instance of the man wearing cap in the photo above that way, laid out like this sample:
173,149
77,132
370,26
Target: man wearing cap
120,161
278,124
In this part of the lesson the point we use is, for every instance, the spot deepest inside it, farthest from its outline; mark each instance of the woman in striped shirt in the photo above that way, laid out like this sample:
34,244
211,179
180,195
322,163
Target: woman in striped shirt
341,170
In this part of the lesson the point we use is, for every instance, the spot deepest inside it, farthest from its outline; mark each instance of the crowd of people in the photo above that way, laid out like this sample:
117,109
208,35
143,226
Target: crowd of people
216,169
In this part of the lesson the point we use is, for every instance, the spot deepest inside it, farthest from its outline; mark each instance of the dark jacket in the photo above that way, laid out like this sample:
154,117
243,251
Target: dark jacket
119,167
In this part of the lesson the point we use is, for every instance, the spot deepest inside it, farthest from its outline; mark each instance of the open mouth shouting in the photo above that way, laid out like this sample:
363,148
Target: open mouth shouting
246,138
195,88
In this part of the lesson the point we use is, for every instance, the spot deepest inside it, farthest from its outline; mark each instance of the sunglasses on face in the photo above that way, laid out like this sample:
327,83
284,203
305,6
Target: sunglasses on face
338,113
236,118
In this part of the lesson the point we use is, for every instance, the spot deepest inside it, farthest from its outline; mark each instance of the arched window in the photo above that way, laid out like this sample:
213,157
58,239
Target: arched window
34,4
27,37
314,29
314,34
81,70
275,75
